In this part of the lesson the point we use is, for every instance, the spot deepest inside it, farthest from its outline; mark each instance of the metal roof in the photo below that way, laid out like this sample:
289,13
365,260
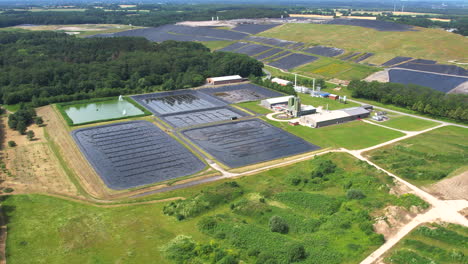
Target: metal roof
225,78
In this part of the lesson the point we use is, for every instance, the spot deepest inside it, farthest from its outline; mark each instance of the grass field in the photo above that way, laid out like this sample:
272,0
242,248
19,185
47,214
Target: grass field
306,99
216,45
407,123
351,135
432,243
434,44
426,158
331,227
255,107
332,68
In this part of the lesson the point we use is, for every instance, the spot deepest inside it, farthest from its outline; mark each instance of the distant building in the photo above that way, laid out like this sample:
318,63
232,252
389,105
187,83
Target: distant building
334,117
225,79
271,102
281,81
333,96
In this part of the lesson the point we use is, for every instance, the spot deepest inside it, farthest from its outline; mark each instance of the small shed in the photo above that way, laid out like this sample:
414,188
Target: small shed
281,81
334,96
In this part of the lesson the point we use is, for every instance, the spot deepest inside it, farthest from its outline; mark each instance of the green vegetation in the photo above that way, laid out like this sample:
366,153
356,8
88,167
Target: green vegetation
70,122
434,44
255,107
432,243
334,68
407,123
351,135
417,98
21,119
159,14
111,66
319,101
323,226
216,45
288,89
12,143
426,158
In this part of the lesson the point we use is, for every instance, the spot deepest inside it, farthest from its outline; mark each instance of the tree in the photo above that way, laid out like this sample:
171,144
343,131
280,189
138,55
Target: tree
30,135
324,167
39,121
278,225
21,127
11,143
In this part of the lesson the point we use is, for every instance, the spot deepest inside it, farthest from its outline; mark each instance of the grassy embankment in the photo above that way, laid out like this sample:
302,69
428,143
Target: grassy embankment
432,243
332,227
426,158
426,43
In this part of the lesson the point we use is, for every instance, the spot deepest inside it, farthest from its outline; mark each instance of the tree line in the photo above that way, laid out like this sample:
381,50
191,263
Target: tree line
49,67
153,18
417,98
459,23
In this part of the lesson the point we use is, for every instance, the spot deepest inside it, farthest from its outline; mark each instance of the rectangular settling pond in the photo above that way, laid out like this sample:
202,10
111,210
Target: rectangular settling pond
110,109
135,153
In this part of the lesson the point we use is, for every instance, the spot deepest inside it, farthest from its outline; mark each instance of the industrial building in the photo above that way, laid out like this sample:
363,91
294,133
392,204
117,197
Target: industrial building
270,103
289,104
281,81
327,118
225,79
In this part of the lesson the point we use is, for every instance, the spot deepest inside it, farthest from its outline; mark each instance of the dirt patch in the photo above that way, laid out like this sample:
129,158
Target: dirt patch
31,165
381,76
399,188
454,188
393,219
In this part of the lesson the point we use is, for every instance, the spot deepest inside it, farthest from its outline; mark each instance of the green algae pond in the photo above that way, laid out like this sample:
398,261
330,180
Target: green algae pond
85,113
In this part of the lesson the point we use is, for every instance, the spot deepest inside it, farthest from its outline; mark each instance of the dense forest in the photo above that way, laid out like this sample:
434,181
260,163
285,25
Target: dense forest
153,18
417,98
48,67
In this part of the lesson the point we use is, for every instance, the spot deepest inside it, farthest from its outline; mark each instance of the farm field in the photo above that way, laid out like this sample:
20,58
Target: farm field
407,123
333,68
432,243
350,135
426,158
327,215
425,43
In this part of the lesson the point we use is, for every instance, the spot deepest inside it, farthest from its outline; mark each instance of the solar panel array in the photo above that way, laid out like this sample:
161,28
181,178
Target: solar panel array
396,60
269,53
292,61
252,49
435,81
324,51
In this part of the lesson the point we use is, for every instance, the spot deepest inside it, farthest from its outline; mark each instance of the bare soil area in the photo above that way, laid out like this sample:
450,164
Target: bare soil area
381,76
32,166
453,188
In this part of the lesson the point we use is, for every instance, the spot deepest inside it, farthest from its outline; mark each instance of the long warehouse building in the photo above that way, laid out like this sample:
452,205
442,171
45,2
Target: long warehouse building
334,117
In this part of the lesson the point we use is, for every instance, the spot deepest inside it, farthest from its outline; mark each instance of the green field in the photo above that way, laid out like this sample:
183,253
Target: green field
255,107
426,43
216,45
306,99
432,243
333,68
351,135
407,123
426,158
316,198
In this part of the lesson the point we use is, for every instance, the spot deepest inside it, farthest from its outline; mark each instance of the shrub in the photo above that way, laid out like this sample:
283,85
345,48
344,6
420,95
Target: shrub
295,180
30,135
324,167
39,121
355,194
8,190
11,143
296,252
207,224
278,225
180,249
